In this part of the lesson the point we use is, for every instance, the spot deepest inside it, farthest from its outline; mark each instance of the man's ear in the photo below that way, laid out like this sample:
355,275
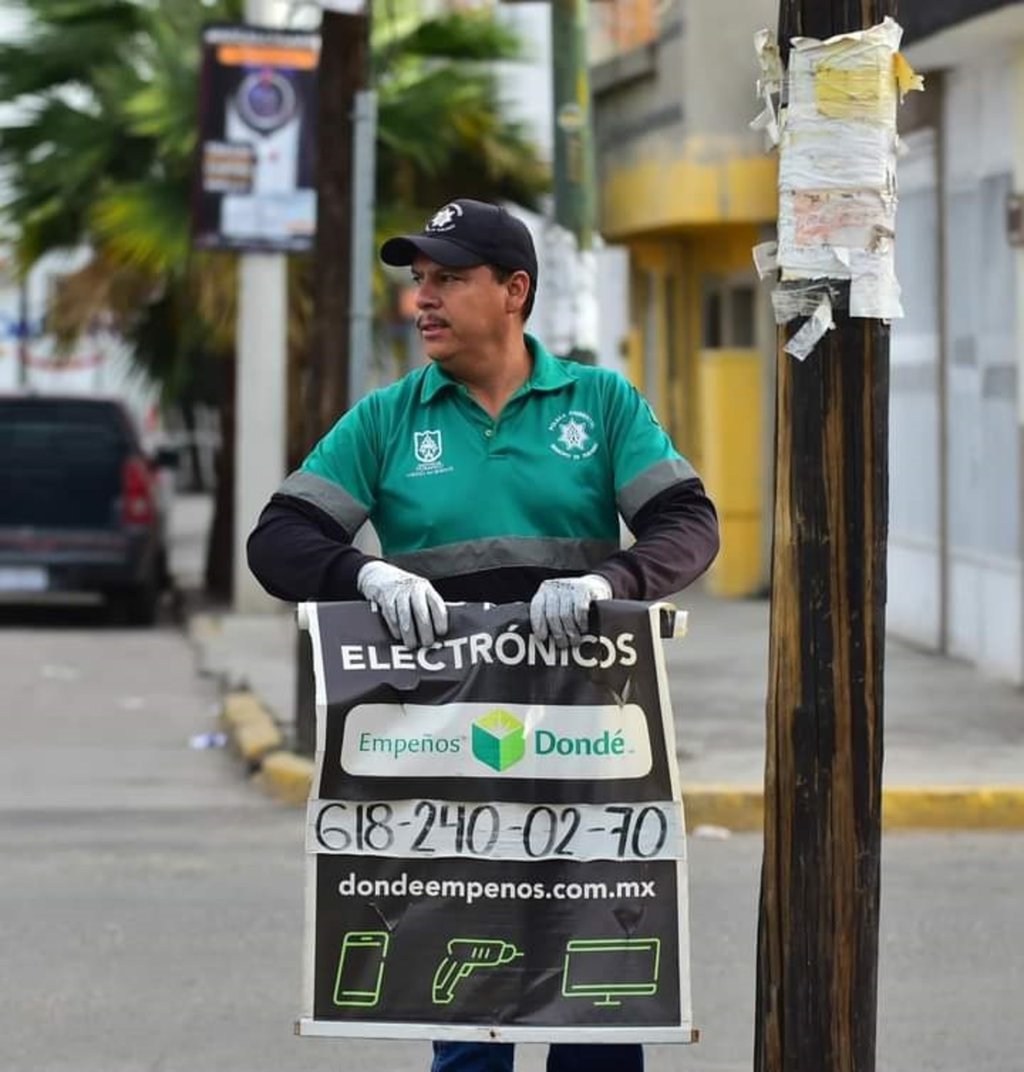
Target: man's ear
517,290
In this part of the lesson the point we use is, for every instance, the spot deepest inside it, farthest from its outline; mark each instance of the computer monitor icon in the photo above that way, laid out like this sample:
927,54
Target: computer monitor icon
607,969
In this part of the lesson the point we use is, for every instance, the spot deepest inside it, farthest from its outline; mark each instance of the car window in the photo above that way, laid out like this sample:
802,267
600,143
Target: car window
61,462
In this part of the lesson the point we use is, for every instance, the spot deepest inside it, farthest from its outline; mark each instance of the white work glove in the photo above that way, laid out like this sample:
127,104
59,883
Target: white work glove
414,611
560,608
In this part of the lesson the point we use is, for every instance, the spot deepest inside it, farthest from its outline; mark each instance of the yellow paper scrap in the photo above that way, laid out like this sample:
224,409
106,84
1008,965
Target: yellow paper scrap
866,91
907,79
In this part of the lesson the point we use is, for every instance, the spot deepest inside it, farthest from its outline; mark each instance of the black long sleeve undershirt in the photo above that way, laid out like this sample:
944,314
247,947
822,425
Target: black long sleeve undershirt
297,552
676,540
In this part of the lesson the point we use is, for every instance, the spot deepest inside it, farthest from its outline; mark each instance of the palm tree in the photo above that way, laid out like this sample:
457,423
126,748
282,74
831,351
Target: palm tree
103,156
441,123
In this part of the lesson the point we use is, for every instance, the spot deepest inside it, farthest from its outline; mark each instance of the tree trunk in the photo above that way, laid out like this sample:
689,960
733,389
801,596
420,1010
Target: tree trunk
219,549
195,461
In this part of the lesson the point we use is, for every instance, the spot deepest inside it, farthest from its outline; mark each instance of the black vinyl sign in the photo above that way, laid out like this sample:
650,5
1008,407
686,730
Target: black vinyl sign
495,838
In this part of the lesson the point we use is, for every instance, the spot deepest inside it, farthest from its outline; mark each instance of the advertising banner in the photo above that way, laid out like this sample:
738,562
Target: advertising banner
255,175
495,839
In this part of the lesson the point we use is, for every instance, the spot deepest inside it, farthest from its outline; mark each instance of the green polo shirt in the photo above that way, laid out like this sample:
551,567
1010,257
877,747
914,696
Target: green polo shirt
452,490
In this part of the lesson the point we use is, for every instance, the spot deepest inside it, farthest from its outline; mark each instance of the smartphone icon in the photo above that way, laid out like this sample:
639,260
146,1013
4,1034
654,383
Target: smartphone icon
361,968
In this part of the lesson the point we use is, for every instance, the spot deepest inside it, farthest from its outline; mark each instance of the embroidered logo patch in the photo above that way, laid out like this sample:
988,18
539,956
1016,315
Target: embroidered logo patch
444,219
427,446
573,435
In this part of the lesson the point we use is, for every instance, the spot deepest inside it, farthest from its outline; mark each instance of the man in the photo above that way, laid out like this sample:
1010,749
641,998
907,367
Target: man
493,473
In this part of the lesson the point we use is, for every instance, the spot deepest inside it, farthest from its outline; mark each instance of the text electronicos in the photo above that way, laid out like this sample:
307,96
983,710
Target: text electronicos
510,648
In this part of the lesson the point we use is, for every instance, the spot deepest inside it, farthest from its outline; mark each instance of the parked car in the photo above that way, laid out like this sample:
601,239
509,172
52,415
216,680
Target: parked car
79,505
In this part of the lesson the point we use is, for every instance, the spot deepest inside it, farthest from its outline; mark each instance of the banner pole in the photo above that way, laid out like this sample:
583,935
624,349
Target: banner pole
261,391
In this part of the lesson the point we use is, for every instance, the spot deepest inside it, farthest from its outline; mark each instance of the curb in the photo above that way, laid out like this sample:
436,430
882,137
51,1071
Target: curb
287,777
249,727
954,808
904,808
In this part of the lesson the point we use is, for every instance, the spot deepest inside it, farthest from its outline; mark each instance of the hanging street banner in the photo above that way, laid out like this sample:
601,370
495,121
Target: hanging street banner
255,186
495,839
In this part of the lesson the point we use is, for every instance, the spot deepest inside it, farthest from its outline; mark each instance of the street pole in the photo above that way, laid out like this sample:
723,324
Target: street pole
261,390
817,964
574,173
343,234
364,199
23,331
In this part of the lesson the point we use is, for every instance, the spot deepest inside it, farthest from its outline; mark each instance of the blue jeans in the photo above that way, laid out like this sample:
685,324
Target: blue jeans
562,1057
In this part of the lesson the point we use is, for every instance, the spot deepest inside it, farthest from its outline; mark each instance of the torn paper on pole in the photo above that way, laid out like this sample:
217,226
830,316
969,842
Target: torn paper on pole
769,85
836,132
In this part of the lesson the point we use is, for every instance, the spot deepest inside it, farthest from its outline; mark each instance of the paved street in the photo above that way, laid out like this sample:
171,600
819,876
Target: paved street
150,900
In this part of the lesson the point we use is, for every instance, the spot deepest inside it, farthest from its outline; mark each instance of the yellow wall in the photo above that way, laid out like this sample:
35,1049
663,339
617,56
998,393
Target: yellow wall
730,400
656,195
709,400
688,214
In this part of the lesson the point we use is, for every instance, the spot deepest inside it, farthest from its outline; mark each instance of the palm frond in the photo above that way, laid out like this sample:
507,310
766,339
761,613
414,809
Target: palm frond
459,36
65,42
104,292
102,154
212,292
145,224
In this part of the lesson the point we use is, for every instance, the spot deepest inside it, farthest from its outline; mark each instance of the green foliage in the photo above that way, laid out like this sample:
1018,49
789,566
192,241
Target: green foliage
442,133
101,152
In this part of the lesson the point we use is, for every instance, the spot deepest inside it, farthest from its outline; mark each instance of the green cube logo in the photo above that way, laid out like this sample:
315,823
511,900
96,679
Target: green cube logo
498,739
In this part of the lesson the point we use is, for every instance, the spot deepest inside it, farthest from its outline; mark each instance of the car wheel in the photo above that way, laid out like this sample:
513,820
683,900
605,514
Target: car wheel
137,605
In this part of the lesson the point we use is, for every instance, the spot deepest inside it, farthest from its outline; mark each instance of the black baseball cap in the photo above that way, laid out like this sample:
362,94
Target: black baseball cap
465,233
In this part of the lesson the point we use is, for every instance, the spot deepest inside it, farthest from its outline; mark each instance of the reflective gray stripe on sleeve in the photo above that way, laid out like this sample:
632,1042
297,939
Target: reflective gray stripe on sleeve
653,480
329,497
476,556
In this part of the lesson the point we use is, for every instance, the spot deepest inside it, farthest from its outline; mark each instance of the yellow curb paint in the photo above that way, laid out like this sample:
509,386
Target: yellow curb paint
241,707
954,808
287,777
203,626
737,809
251,729
255,740
903,808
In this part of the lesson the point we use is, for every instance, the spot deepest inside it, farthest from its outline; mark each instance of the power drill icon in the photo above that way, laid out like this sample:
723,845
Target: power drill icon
465,955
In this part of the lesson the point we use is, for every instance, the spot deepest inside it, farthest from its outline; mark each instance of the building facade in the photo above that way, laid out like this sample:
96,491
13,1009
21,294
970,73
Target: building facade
688,188
956,549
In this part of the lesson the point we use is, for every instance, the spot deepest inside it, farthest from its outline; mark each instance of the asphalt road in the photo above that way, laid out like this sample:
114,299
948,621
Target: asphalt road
151,901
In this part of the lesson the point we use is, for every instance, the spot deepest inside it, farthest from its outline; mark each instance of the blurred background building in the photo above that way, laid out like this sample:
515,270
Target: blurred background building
687,188
955,577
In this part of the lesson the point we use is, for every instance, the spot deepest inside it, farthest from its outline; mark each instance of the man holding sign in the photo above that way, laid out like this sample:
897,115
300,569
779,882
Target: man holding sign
495,473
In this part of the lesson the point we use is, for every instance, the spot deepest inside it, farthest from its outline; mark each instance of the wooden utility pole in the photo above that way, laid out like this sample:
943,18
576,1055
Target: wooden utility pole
817,970
343,73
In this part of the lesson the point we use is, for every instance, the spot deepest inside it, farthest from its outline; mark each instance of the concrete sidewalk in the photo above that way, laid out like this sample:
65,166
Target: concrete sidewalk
954,739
